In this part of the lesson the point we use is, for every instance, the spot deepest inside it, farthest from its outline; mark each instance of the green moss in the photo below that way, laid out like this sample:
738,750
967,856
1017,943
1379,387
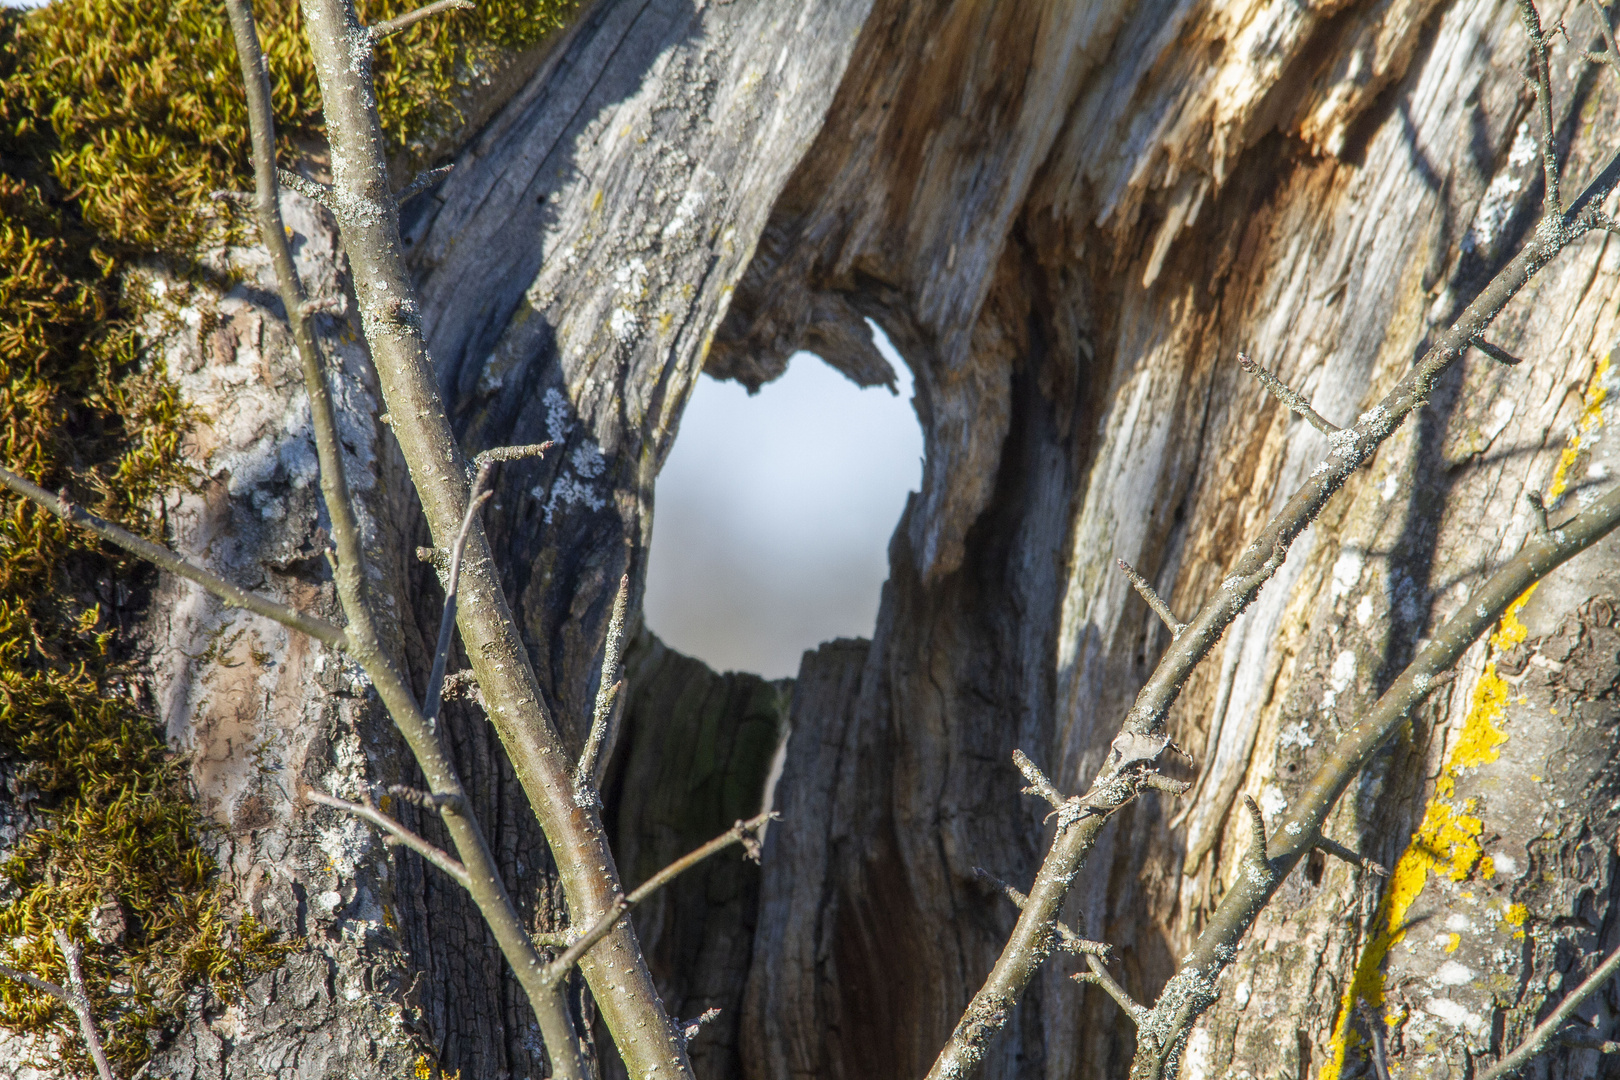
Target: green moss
118,120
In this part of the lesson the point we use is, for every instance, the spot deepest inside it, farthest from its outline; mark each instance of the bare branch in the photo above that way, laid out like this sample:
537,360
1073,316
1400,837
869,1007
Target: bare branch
1288,397
1038,783
388,300
434,855
1354,858
743,832
1067,938
1544,1031
164,559
78,999
393,26
1543,84
586,778
1500,355
422,181
341,56
1160,608
37,983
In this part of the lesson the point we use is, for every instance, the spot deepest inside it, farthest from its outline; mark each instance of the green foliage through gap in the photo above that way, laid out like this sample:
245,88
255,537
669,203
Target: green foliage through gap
119,119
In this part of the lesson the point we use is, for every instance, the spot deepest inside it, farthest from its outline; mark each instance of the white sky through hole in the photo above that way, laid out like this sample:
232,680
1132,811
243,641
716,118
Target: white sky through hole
773,515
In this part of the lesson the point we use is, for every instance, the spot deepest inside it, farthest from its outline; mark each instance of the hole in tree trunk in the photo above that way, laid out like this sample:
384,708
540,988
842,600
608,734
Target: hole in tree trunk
774,512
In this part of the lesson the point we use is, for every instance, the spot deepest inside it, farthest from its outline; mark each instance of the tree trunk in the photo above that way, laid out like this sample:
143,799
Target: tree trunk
1069,219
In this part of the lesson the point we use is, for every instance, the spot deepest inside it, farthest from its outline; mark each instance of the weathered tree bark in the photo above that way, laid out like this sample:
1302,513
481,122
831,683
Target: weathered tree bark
1069,218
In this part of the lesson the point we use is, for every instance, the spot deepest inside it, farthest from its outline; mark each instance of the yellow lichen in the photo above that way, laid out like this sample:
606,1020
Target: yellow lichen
1447,842
1453,941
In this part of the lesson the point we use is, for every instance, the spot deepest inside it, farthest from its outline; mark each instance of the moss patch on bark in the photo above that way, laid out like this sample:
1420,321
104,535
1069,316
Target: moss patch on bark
119,121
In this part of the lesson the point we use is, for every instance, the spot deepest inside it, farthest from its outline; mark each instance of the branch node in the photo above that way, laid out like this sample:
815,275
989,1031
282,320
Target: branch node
1068,939
1288,397
1154,601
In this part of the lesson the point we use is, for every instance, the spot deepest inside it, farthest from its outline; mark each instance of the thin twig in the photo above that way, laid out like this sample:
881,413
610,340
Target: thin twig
164,559
1351,856
447,620
1613,55
1038,782
1543,84
423,180
586,780
1281,391
1154,601
1068,939
400,22
1545,1030
74,996
438,857
308,188
512,453
743,832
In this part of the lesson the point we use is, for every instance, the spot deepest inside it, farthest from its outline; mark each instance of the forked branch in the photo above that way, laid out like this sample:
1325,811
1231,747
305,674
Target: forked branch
1301,829
1121,779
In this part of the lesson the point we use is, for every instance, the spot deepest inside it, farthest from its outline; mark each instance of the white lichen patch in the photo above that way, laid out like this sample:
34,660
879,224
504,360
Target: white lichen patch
1346,573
